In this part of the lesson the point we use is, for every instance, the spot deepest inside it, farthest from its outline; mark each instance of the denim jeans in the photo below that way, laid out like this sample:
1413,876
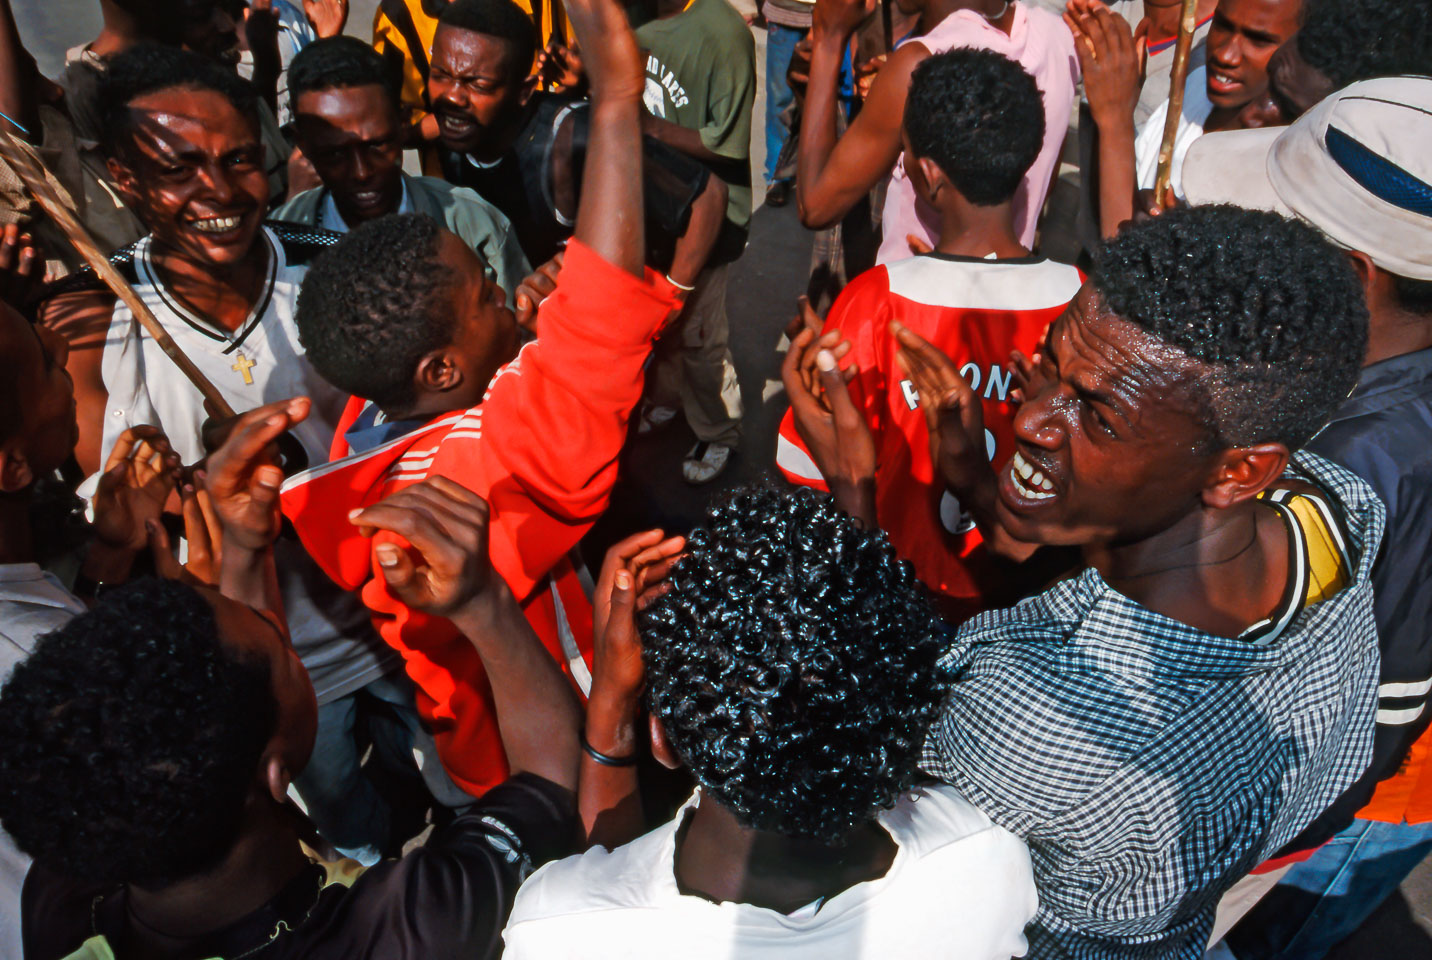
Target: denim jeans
780,44
341,800
1321,901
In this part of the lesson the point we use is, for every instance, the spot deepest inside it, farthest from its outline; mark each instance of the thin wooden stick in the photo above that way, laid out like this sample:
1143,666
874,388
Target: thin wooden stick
31,171
1177,78
886,17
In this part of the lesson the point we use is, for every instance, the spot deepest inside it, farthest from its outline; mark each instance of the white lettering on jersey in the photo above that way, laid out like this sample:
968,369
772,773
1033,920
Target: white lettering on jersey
997,383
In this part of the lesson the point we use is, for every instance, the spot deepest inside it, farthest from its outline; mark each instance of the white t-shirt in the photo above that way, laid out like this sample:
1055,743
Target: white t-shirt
1196,108
260,362
959,886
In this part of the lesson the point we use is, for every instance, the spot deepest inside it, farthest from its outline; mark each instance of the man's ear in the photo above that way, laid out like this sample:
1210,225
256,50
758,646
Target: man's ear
275,773
661,747
437,373
1243,473
15,472
931,179
125,180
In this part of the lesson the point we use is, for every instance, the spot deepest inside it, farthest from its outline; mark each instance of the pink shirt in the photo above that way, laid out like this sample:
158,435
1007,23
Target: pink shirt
1039,42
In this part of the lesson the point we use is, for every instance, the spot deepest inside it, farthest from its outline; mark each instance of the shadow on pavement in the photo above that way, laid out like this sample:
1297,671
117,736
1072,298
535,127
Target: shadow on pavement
761,300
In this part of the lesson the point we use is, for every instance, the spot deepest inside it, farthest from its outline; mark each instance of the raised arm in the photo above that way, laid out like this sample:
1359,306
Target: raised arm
832,176
446,573
633,574
609,216
1111,60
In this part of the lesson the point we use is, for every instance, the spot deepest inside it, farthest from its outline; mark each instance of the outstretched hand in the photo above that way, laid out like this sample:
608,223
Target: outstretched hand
560,67
327,16
1111,59
633,574
534,288
832,428
141,472
952,411
447,568
243,480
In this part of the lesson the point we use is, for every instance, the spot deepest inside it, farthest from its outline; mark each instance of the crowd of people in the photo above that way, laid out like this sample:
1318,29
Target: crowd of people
1084,610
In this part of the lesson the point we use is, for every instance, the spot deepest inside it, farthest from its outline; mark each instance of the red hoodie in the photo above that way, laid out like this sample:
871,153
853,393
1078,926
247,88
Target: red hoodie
542,449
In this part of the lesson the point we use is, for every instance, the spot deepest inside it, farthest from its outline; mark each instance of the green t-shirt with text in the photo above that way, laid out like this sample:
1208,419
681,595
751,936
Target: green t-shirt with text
701,74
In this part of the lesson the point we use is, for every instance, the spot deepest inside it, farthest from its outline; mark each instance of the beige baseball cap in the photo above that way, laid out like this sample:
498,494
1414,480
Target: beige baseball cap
1358,166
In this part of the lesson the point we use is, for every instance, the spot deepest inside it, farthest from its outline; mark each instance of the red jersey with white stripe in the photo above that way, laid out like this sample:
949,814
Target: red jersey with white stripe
976,311
542,449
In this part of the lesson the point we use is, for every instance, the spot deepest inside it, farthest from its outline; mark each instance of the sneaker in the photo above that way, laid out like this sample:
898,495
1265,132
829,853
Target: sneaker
778,194
705,461
654,417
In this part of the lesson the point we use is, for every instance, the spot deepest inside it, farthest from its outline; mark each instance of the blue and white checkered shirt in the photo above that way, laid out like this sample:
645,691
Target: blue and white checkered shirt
1149,765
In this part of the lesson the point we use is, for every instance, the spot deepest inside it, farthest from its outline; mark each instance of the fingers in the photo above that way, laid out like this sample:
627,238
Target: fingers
806,318
837,393
438,516
249,440
160,551
917,244
203,544
399,570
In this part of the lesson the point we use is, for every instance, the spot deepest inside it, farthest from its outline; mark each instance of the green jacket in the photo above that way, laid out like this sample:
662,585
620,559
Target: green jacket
480,225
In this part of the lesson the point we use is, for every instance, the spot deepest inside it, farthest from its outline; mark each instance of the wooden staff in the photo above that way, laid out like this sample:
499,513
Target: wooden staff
885,24
31,171
1177,78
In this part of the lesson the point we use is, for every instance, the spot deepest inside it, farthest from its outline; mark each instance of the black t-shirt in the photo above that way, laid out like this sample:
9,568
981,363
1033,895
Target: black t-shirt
520,182
449,898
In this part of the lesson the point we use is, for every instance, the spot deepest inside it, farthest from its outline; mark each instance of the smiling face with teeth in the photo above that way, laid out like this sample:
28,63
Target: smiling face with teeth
193,171
1242,39
1111,444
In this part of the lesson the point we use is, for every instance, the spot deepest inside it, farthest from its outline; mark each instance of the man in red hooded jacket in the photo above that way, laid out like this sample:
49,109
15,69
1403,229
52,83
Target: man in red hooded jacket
403,315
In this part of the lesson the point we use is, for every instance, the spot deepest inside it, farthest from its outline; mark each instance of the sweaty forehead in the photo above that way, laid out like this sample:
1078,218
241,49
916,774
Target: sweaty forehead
1100,350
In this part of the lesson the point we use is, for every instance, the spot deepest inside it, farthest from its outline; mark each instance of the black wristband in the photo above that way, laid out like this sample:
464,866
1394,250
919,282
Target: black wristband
602,758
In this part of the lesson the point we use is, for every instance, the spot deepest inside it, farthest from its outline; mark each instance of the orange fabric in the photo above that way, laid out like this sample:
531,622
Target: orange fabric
542,449
1407,794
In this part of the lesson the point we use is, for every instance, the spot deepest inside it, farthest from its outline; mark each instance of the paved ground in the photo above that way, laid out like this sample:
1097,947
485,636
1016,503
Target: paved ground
761,300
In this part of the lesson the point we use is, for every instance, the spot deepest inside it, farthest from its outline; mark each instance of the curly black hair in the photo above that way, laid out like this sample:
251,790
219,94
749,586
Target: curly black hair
341,61
129,737
794,663
374,304
1271,308
980,117
1358,40
497,18
147,68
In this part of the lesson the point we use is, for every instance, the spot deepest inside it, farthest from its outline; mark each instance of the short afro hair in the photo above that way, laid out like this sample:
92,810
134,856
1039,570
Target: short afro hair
1362,39
496,18
340,61
374,304
980,117
1271,309
129,738
148,68
794,663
